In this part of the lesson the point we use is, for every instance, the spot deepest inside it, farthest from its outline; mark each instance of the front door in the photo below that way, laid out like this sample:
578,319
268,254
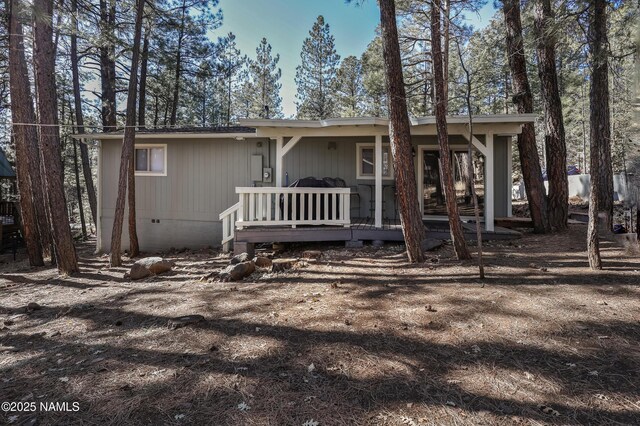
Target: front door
432,194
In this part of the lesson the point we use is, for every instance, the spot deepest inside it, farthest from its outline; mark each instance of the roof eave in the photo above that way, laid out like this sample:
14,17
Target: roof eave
176,135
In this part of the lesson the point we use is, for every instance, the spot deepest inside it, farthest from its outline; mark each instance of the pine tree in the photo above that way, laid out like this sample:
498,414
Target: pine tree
27,160
229,61
349,89
44,60
265,83
523,98
400,135
446,174
373,83
600,131
127,153
84,152
556,148
315,76
182,45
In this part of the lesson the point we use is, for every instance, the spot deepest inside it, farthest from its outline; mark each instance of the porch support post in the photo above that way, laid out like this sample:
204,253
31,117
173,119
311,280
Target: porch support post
509,176
378,175
279,155
489,185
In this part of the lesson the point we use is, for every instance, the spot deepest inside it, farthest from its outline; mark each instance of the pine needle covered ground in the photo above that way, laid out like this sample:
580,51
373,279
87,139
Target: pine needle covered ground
355,337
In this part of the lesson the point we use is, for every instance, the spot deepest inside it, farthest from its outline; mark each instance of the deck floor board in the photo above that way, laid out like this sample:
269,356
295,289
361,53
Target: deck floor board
362,229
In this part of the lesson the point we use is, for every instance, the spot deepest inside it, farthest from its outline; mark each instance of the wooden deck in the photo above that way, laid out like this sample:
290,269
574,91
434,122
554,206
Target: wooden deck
361,229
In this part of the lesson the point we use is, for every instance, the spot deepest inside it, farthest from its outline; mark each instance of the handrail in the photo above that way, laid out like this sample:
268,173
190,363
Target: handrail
229,217
228,211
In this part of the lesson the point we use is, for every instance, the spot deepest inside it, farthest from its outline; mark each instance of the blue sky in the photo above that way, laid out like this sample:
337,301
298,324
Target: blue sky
286,23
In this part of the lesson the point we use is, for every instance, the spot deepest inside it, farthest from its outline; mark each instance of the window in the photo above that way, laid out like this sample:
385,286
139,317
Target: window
366,158
151,160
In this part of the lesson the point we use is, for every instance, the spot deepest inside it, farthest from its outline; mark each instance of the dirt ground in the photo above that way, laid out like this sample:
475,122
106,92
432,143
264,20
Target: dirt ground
356,337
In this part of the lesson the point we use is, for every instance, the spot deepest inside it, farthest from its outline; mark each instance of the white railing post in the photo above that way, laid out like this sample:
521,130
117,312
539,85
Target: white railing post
347,209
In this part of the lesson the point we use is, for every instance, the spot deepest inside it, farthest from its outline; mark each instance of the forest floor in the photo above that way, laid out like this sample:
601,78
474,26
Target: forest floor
355,337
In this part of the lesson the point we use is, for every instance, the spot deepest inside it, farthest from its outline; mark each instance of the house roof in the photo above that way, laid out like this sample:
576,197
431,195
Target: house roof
507,123
183,132
6,171
377,121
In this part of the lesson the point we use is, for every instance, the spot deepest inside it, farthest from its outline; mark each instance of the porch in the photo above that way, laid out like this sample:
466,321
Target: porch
356,152
276,214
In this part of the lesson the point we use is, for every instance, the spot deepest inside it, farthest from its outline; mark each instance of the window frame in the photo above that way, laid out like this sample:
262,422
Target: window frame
368,145
149,147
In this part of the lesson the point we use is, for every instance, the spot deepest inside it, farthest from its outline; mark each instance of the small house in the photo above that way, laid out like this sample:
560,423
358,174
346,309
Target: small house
274,180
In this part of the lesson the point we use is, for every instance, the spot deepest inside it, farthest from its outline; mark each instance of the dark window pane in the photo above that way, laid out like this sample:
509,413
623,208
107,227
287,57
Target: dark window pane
142,160
367,161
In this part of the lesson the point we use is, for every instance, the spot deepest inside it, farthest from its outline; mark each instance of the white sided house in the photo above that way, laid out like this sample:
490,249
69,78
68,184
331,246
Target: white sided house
217,186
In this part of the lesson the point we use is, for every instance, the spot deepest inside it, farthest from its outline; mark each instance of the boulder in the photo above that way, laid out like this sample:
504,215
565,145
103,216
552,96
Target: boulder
137,272
237,271
262,262
239,258
149,266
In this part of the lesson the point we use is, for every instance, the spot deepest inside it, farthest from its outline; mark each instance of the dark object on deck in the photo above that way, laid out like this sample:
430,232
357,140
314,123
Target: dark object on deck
619,229
311,201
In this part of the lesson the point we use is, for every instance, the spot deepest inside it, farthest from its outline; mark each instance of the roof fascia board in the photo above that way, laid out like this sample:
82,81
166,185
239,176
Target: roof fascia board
106,136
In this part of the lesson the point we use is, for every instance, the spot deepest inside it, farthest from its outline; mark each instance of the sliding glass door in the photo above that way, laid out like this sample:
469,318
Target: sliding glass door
433,203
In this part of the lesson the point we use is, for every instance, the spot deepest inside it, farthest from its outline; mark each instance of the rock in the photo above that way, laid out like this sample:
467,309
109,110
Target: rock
280,265
33,306
311,254
262,262
431,244
239,258
149,266
156,265
137,272
238,271
184,321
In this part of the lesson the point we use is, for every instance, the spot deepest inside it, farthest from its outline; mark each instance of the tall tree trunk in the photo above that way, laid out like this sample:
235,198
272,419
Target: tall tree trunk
400,134
476,208
155,111
142,103
134,245
44,58
108,64
79,189
600,115
22,112
178,71
446,175
128,141
600,131
446,41
84,151
555,146
529,159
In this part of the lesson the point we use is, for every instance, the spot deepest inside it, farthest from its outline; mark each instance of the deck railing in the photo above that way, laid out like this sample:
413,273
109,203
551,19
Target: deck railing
270,206
293,206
